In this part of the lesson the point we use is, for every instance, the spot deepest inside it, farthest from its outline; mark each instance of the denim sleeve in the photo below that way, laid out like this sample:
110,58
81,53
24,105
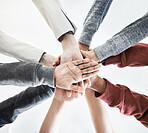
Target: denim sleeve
93,20
26,74
32,96
127,37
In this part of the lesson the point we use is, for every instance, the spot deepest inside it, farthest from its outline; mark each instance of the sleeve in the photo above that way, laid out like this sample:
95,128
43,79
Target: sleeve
93,20
21,51
127,37
134,56
128,102
55,17
32,96
26,74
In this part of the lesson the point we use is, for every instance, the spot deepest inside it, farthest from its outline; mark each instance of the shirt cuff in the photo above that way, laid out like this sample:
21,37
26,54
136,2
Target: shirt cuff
46,75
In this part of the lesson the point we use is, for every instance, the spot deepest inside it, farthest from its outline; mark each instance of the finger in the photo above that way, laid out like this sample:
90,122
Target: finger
90,69
86,83
84,54
81,93
81,84
89,75
68,93
76,94
82,61
77,88
88,64
57,61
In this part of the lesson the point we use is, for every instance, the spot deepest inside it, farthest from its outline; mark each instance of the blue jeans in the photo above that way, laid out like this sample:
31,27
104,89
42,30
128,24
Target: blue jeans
12,107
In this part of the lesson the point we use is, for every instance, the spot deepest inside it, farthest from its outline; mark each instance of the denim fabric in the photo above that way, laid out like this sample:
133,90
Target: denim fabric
24,74
32,96
93,20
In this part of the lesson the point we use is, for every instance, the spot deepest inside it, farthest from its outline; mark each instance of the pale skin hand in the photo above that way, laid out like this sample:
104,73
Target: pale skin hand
98,112
52,121
88,53
73,72
71,52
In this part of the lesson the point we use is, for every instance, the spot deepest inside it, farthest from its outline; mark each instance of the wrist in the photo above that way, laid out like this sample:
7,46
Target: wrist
99,84
59,101
46,59
83,47
69,42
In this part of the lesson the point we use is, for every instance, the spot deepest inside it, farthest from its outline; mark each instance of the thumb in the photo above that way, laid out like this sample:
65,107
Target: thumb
84,54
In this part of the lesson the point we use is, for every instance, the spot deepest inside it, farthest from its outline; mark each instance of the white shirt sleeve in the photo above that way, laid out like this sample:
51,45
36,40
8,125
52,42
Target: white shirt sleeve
19,50
55,17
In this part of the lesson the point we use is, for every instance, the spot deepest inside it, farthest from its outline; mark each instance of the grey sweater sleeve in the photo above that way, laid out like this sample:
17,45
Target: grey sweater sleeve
127,37
93,20
26,74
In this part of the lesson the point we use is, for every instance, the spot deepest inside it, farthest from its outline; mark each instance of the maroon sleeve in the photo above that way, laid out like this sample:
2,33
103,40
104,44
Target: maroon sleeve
137,55
129,103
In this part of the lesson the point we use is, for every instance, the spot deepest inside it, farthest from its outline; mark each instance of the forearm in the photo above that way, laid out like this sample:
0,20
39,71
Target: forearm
55,17
127,37
53,118
128,102
134,56
93,20
98,113
32,96
26,74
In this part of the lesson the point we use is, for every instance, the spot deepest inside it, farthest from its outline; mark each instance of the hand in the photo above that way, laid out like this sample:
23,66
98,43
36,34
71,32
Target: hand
73,72
90,55
71,49
71,52
47,59
61,95
83,46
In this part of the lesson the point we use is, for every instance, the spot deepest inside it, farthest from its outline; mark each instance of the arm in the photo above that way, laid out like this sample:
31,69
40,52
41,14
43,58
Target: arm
93,20
52,121
119,96
32,96
127,37
63,76
134,56
98,113
53,118
55,17
21,51
26,74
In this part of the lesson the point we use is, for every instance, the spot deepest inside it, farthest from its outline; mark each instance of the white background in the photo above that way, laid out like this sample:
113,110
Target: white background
22,20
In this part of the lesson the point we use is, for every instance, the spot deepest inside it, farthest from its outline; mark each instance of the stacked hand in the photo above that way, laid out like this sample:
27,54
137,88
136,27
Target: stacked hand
72,72
91,55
